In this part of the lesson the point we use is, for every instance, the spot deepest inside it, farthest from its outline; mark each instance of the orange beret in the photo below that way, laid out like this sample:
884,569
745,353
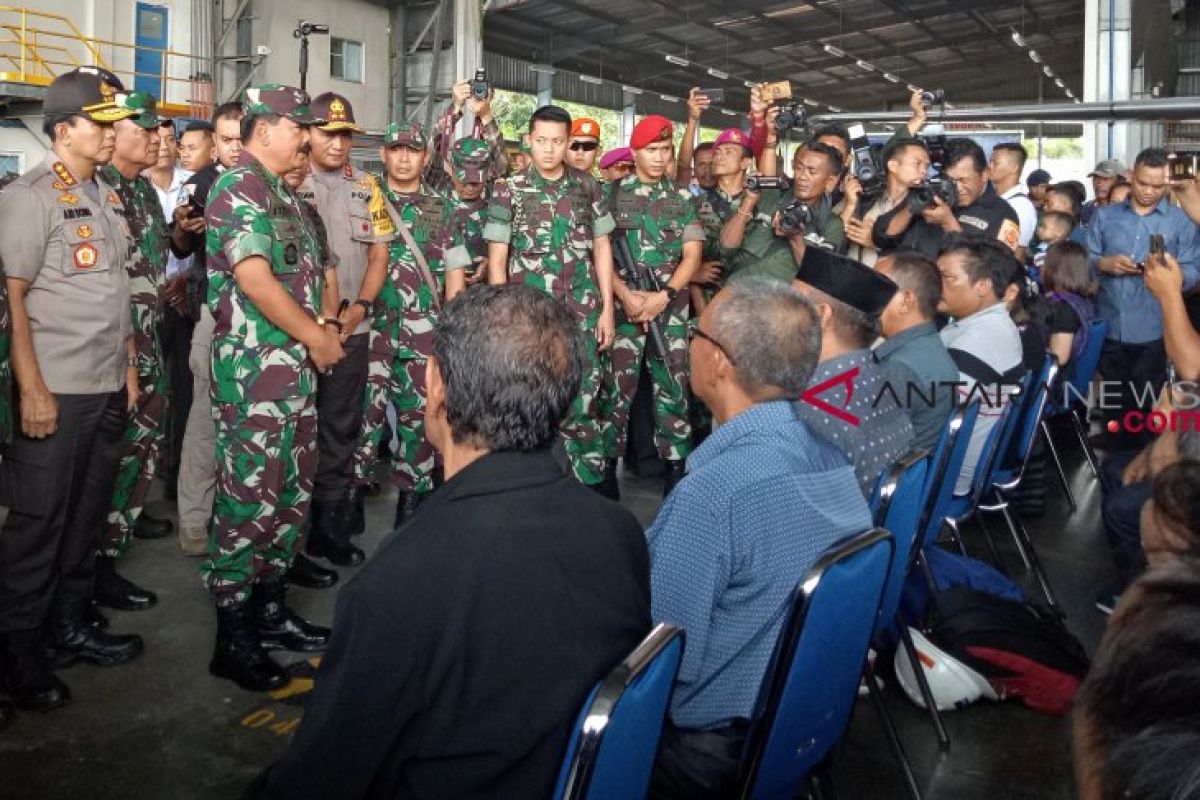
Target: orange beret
649,130
585,126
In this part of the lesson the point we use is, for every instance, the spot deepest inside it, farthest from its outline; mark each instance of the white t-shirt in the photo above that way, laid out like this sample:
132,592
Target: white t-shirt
168,200
1026,214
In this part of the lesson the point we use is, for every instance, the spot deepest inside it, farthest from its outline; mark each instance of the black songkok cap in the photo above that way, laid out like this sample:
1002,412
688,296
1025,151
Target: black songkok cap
847,280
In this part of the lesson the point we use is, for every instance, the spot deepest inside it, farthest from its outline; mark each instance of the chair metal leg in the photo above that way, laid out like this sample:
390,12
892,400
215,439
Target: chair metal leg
997,559
1062,475
1035,563
889,730
956,535
1081,430
935,716
1002,506
927,572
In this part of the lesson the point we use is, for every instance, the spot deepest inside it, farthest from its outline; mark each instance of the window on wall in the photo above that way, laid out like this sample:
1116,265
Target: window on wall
346,59
11,161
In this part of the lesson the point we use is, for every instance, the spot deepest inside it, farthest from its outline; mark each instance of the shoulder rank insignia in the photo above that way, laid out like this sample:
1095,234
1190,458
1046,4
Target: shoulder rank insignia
64,175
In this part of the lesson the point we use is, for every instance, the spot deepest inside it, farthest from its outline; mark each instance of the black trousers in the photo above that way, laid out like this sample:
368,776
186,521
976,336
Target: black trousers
1135,366
1121,513
58,491
698,765
175,334
339,420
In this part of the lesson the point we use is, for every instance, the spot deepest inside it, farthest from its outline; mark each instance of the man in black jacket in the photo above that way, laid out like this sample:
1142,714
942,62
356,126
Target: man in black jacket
977,212
464,649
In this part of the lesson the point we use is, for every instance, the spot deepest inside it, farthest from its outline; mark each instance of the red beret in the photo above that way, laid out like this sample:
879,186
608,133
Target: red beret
648,130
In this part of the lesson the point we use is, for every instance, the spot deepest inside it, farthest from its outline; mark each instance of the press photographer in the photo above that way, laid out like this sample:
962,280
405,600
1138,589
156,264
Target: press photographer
905,164
778,218
930,211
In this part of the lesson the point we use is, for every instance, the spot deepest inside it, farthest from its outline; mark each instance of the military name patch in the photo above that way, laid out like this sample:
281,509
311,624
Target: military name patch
84,231
86,256
76,213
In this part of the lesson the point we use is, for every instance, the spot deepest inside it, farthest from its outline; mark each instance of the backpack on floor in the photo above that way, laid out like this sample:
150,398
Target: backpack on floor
952,570
1022,649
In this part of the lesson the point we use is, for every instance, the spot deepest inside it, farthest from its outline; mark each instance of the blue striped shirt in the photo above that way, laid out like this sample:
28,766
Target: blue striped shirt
763,498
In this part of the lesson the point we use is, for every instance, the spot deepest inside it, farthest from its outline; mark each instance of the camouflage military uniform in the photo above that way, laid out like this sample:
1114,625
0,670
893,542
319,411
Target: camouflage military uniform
263,383
6,384
550,227
145,434
656,219
470,163
401,338
714,208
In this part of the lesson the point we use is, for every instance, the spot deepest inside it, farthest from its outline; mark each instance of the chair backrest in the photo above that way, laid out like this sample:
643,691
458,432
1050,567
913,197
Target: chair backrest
1033,408
810,687
897,507
947,466
615,739
995,447
1086,365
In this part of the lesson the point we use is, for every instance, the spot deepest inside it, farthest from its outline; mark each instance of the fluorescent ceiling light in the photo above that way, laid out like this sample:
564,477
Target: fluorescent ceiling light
728,112
1034,57
865,66
834,109
631,89
833,51
670,98
809,102
1058,82
716,73
1020,40
681,62
591,79
1049,72
887,76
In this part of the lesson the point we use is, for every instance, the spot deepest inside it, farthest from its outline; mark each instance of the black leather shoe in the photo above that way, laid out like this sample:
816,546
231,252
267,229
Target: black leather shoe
328,538
148,527
673,472
238,656
281,628
406,505
608,486
8,713
356,518
113,591
28,679
93,616
309,574
78,641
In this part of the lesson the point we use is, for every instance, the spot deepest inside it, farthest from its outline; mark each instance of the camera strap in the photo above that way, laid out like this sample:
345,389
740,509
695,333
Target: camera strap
418,256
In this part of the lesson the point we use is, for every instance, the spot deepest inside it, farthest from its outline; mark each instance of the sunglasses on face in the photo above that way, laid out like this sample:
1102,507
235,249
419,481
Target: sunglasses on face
586,147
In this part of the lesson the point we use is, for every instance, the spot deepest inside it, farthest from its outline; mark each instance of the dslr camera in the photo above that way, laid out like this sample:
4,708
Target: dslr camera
480,86
756,183
921,196
863,162
796,216
933,97
791,116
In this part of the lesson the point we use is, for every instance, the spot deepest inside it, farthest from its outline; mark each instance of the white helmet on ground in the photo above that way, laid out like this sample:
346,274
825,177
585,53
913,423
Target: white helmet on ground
953,683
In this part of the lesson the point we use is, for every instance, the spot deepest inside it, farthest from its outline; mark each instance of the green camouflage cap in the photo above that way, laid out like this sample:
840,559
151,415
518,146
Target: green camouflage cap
469,160
525,147
275,98
410,135
144,106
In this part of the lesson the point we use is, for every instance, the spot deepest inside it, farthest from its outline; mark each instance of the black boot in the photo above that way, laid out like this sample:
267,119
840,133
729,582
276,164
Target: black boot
93,616
672,474
406,505
148,527
8,713
113,591
356,519
309,574
328,537
239,657
608,486
28,679
281,628
72,639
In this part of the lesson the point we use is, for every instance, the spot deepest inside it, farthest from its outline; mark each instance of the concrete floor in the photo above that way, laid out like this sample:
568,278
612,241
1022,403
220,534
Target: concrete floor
161,727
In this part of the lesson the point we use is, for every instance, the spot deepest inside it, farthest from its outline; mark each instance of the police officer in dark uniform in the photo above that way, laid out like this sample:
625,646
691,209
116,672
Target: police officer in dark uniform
64,242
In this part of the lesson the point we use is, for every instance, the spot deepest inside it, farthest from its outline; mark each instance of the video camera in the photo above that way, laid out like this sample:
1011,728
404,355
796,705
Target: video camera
921,196
756,183
796,216
481,88
934,97
862,161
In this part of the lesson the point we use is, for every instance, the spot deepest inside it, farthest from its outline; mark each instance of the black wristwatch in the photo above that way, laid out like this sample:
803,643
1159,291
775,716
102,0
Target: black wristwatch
672,293
366,305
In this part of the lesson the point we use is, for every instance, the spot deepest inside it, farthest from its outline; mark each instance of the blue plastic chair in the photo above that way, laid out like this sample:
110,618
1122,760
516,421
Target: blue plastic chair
1065,404
1005,478
898,506
948,461
610,755
811,684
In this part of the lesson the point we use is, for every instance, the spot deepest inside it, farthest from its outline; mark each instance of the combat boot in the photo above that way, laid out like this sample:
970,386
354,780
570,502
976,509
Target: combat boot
673,472
406,506
328,537
28,679
356,519
148,527
281,628
309,574
608,486
114,591
238,657
73,639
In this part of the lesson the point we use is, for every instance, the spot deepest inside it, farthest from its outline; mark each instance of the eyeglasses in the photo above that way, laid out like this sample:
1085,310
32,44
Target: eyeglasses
586,147
697,332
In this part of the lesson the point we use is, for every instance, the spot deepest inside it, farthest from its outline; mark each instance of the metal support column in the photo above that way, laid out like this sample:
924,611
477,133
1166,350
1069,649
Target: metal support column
399,93
435,61
628,115
545,86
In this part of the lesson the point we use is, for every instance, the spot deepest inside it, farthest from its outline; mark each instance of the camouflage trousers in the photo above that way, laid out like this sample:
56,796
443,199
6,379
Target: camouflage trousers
142,452
266,462
672,425
582,429
399,382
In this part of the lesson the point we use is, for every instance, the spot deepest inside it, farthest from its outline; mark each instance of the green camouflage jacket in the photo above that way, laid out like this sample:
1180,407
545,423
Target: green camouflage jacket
656,219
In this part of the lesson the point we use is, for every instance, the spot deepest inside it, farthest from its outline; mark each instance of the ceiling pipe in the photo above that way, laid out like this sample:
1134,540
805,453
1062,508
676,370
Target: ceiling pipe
1163,108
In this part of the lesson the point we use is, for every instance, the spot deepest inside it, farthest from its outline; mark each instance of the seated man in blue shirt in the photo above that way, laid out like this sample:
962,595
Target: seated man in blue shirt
1118,242
848,400
762,499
